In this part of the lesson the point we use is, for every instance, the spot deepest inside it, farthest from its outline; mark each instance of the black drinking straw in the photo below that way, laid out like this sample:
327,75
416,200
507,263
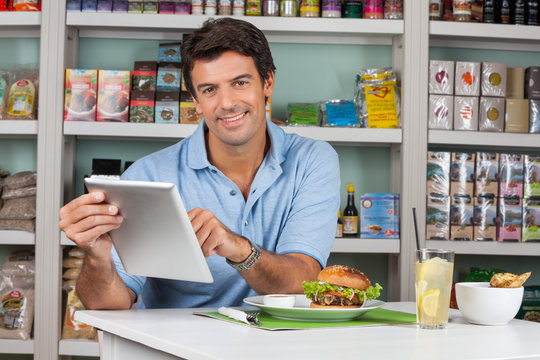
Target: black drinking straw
416,229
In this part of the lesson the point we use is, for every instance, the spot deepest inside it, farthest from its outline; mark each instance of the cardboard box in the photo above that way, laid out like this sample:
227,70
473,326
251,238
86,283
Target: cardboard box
532,82
120,6
441,112
530,306
462,174
105,6
135,6
510,219
113,95
467,78
517,116
89,5
142,106
168,77
493,79
487,174
466,113
80,95
511,175
531,220
150,6
438,173
485,219
378,216
515,88
167,107
73,5
188,114
145,75
531,185
441,77
534,116
461,218
491,114
438,218
169,53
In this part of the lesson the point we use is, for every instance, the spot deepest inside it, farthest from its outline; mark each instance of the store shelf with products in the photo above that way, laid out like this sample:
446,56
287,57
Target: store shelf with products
78,347
9,346
487,247
177,131
15,237
356,245
493,140
17,128
18,24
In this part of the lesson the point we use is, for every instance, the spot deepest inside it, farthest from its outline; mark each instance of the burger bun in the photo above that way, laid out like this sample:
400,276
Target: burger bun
344,276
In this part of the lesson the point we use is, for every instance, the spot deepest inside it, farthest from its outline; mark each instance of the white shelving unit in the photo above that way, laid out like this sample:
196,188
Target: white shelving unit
78,347
356,245
487,247
20,24
9,346
484,139
18,128
13,237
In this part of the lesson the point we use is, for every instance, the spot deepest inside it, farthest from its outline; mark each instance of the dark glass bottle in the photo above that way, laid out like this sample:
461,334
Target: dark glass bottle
350,215
532,12
505,12
489,11
519,12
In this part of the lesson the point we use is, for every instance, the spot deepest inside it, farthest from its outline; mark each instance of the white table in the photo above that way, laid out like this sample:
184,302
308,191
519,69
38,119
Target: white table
177,333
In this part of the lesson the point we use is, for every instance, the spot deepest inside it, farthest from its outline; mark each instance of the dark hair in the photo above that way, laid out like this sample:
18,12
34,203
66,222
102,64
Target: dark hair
218,36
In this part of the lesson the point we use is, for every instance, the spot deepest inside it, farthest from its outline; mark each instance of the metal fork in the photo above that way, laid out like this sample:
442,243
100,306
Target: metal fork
252,318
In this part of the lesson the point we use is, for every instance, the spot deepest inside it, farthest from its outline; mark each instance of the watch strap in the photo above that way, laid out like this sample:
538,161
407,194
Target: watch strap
251,259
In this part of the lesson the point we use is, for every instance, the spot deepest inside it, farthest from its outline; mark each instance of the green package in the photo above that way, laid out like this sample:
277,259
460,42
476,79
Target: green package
303,114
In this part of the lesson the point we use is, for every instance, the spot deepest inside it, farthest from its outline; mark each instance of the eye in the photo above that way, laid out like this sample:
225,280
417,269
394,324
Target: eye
208,90
241,82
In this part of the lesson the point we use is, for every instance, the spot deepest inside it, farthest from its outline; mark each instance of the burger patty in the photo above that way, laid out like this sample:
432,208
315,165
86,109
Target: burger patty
332,300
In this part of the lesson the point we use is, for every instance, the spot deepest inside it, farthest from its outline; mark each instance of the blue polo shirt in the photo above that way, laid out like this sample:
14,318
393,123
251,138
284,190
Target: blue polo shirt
291,208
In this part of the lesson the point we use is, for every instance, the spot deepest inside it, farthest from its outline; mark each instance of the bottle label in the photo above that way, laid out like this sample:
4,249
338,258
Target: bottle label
350,224
339,230
462,7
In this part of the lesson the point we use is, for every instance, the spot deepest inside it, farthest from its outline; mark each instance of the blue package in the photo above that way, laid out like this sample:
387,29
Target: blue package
169,77
379,216
169,53
89,5
339,113
104,6
73,5
120,6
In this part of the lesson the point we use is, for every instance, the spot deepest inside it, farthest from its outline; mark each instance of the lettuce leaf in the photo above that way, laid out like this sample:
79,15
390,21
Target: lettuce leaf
313,288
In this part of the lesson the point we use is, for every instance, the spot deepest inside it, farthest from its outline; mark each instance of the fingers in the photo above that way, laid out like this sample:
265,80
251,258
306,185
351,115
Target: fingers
85,232
86,199
207,229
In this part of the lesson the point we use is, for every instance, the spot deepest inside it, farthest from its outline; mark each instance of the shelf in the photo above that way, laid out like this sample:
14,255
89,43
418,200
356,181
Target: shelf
16,128
278,29
78,347
485,139
16,346
15,237
19,24
65,241
355,245
153,131
486,248
484,36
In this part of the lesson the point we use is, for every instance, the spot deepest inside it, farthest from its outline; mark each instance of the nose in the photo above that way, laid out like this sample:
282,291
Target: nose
227,99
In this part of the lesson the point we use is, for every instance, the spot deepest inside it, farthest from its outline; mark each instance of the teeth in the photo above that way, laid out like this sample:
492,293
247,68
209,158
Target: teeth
233,118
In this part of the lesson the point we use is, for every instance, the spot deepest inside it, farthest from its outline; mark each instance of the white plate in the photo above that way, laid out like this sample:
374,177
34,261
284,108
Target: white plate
301,310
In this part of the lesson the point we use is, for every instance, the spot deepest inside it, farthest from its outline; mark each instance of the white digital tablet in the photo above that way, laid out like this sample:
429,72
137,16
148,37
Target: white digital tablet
156,238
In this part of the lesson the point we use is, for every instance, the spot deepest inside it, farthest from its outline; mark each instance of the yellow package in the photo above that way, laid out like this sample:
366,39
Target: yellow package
20,101
381,106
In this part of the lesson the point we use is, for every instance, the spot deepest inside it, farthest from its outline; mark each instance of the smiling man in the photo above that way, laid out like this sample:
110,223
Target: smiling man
263,203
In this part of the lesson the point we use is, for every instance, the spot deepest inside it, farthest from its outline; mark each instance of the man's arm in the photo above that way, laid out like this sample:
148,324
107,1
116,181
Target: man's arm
87,221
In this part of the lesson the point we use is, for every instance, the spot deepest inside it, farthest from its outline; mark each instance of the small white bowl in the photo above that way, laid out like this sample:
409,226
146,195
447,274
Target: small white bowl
279,300
484,305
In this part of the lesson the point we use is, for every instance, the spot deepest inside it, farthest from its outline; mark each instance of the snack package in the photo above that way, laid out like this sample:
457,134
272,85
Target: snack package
20,262
24,5
167,111
145,75
377,96
182,7
467,78
438,173
485,219
493,79
532,82
142,106
3,88
466,113
135,6
491,114
339,113
21,94
534,116
510,218
530,307
113,95
188,114
461,218
104,5
120,6
17,306
514,83
511,175
169,77
531,220
169,53
303,114
166,7
150,6
487,175
378,216
441,112
531,185
438,218
73,329
441,77
21,179
462,174
19,209
517,116
73,5
89,5
18,224
80,95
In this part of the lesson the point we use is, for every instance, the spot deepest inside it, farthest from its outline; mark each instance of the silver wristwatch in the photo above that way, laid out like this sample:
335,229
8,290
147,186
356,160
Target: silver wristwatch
251,259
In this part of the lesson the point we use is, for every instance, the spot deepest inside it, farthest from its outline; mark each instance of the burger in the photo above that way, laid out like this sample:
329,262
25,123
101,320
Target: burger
340,286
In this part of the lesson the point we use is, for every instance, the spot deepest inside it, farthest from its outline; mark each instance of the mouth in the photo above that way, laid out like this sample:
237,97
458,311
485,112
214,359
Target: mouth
233,120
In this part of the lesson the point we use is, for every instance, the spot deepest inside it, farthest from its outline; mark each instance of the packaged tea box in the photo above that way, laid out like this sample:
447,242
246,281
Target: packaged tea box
135,6
167,107
487,174
378,216
462,174
145,75
188,114
511,175
438,173
142,106
438,218
73,5
104,5
441,77
510,219
89,5
150,6
531,220
80,95
531,185
168,77
169,52
120,6
113,95
493,82
461,218
485,219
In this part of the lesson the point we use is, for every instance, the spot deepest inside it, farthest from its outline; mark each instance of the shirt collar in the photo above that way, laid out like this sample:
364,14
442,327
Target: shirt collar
198,157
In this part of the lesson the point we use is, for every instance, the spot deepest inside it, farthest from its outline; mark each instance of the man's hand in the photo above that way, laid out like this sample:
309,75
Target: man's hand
87,221
216,238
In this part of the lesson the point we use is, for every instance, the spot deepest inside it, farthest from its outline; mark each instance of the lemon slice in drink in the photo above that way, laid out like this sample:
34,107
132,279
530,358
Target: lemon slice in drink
430,302
423,269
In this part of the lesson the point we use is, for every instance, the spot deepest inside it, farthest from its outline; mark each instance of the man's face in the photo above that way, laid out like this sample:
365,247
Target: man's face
231,97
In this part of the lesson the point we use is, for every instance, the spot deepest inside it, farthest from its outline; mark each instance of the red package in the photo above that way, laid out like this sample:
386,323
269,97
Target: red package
3,5
24,5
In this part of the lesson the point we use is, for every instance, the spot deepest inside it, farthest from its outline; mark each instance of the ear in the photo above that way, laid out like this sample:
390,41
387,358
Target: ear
268,86
198,108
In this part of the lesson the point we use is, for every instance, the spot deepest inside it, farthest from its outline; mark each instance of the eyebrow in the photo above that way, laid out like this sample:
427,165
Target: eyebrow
242,76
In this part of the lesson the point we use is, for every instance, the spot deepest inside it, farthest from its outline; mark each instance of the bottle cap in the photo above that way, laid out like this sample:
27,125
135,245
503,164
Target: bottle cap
339,213
350,188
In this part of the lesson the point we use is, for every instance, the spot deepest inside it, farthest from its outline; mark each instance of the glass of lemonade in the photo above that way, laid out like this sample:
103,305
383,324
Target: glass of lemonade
433,270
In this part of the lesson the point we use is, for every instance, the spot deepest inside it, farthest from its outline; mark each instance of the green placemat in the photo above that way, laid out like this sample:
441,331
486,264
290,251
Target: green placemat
371,318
